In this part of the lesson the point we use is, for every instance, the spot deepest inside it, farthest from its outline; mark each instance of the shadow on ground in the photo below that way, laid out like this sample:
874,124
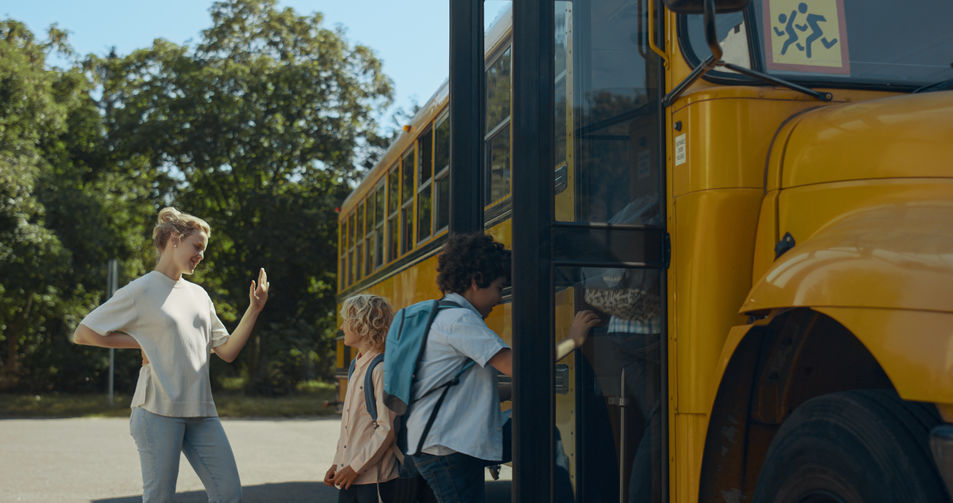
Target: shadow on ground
294,492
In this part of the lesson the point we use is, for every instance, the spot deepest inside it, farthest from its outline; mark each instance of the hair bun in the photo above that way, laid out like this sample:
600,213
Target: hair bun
168,214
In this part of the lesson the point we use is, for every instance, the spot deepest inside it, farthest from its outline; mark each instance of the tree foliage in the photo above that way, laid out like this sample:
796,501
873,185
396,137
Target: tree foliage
259,128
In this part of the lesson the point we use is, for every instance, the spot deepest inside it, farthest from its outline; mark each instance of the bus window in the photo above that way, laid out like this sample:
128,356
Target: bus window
407,201
561,50
618,405
424,176
352,259
379,225
615,114
342,253
441,159
359,242
393,207
497,137
371,235
498,159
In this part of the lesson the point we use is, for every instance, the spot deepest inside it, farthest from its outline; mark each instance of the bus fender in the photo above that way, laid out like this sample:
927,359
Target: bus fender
892,256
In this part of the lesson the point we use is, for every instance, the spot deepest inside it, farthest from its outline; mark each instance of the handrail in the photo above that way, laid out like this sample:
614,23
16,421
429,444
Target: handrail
656,49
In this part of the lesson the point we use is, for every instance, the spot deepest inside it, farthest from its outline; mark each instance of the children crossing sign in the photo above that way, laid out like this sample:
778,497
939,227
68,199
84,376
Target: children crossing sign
806,35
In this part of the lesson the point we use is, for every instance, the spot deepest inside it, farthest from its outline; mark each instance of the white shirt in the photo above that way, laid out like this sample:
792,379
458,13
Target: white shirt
469,420
175,324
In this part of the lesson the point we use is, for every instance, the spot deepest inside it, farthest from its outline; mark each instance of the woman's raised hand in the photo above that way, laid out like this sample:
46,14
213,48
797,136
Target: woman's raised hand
258,294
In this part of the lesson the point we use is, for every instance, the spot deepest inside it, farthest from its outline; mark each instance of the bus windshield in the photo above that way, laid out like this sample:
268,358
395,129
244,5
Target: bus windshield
843,43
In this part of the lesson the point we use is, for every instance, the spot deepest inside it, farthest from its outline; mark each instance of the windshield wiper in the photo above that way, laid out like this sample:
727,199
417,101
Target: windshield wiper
821,95
943,85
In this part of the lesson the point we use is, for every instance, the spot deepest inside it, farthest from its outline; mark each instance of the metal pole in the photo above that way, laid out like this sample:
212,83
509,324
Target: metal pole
112,282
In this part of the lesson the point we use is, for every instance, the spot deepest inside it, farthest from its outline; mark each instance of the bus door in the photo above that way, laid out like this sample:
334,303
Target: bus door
609,253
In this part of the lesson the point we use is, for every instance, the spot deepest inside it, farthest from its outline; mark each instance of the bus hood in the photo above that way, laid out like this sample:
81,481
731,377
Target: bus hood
908,136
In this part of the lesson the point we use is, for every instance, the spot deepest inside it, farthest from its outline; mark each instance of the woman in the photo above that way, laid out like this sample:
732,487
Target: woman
174,323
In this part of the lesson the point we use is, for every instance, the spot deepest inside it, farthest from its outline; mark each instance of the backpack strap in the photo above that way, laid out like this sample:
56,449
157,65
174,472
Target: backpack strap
441,304
370,402
433,415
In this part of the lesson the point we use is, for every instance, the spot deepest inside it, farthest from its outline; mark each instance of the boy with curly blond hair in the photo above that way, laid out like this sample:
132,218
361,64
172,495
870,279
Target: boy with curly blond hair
366,456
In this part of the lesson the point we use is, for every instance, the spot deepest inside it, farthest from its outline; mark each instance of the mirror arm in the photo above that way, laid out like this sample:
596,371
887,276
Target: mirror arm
699,70
708,64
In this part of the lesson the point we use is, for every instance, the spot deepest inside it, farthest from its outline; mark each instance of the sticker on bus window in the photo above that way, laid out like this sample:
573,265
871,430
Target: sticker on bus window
806,36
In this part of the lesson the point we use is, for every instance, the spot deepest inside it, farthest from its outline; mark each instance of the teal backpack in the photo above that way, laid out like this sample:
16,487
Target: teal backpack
406,341
369,401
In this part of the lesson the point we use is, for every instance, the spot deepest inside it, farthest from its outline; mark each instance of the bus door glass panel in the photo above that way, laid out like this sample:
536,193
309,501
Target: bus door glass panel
611,432
615,116
612,151
562,116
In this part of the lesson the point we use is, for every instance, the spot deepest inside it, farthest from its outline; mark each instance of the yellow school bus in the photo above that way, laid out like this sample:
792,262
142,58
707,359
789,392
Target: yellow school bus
760,204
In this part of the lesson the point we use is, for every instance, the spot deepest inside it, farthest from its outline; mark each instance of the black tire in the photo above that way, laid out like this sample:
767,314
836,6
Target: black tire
865,446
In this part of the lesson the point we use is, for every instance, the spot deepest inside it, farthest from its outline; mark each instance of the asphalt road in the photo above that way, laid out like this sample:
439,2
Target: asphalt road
95,460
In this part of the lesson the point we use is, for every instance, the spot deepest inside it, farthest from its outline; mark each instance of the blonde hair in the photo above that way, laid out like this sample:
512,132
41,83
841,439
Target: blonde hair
172,221
369,317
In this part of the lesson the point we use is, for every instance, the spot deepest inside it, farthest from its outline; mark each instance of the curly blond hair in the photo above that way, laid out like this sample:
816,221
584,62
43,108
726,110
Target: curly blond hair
172,221
369,317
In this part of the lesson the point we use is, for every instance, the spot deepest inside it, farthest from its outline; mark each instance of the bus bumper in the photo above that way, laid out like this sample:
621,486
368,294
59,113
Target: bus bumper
941,443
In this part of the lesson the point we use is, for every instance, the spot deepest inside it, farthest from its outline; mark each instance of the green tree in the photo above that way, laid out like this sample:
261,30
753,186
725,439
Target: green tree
63,212
259,129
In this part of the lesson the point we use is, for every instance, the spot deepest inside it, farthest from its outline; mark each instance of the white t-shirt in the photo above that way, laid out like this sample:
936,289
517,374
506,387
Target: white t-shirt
175,324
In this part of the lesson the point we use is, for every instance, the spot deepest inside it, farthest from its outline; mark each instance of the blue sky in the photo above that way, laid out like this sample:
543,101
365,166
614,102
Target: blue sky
411,38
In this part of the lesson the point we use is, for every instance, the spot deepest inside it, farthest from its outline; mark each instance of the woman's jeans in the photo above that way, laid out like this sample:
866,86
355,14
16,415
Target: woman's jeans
160,439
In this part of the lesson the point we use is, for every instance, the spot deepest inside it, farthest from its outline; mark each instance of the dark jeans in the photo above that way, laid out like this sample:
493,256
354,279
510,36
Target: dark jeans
460,478
410,490
454,478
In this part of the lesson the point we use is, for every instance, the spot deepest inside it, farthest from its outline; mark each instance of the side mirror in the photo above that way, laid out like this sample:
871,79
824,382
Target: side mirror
698,6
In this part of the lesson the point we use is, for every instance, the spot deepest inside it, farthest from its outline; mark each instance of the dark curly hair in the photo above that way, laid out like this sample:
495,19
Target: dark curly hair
469,257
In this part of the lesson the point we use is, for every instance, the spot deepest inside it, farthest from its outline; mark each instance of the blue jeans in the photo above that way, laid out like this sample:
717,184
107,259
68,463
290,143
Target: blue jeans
454,478
160,439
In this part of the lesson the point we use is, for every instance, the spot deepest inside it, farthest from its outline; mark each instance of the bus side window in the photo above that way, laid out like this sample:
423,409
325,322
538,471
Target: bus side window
393,210
407,201
369,234
359,243
379,211
424,184
351,228
342,252
441,160
497,137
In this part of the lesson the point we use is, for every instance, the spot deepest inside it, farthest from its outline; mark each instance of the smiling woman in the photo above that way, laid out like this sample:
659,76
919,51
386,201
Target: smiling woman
175,325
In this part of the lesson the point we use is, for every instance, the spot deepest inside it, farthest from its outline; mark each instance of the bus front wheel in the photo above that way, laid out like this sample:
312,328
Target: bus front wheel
852,446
